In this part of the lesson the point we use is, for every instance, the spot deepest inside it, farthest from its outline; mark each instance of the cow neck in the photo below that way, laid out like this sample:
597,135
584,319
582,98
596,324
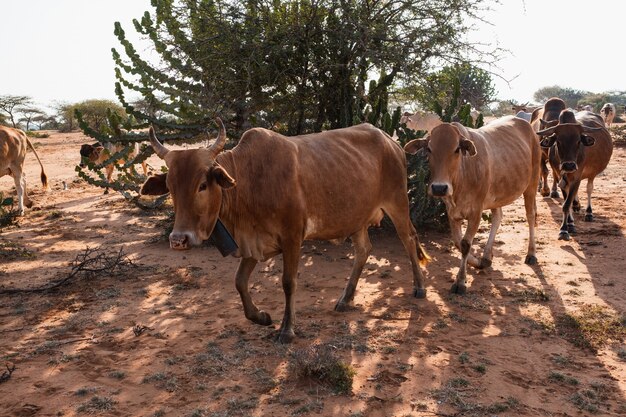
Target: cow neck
228,206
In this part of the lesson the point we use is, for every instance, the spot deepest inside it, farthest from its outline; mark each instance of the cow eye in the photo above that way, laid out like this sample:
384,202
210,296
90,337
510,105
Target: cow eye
203,187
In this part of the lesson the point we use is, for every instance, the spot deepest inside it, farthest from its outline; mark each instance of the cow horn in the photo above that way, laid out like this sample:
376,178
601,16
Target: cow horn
218,145
158,147
547,132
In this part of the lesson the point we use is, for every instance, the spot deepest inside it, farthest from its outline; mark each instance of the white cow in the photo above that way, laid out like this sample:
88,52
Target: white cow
608,113
421,120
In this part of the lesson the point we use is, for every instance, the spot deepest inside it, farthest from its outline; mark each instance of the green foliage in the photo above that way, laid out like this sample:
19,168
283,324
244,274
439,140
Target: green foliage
7,213
475,87
569,95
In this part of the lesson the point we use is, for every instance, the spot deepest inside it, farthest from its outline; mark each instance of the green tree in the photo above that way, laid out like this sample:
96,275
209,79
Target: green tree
295,66
570,96
29,114
10,105
476,86
94,114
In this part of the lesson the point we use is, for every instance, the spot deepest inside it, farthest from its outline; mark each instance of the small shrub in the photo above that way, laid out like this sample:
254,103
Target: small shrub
321,362
562,378
96,404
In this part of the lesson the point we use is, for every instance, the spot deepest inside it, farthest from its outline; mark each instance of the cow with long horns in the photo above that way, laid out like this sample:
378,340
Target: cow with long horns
580,147
273,192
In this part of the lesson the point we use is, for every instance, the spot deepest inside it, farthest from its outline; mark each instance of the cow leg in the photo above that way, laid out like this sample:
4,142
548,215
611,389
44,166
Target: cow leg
410,241
589,211
543,184
459,286
20,187
567,226
144,165
530,204
362,249
291,259
554,193
109,171
455,229
496,219
246,266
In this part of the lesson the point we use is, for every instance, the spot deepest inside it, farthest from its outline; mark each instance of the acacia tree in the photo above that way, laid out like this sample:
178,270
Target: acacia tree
10,105
29,114
296,66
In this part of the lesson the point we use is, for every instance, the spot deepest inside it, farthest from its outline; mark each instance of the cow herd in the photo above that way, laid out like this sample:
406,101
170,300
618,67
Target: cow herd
273,192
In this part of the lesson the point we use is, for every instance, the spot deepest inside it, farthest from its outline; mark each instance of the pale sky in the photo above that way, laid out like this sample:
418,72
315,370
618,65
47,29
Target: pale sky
59,50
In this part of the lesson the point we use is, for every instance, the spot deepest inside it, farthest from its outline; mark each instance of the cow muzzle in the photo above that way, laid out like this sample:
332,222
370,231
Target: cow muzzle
440,190
179,241
569,166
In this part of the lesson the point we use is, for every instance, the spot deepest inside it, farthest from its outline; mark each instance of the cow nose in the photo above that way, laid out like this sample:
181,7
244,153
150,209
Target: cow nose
439,190
179,241
569,166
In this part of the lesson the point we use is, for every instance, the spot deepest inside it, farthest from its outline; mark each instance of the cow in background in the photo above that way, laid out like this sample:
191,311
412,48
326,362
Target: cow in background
608,113
583,150
473,170
98,153
526,108
272,192
586,107
13,148
542,118
420,120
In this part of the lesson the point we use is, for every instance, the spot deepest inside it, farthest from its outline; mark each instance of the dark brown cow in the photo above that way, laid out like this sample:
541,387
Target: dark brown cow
98,154
580,147
542,118
273,192
13,146
479,169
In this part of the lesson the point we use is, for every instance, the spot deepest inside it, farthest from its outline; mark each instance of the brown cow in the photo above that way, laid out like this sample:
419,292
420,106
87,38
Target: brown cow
98,154
542,118
478,169
273,192
583,150
608,113
13,147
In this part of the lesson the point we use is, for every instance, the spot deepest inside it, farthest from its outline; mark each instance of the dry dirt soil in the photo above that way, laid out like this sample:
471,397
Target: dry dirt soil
168,337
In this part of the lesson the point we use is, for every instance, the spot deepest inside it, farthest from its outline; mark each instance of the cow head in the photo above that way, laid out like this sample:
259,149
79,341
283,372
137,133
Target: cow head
444,148
195,181
568,135
90,153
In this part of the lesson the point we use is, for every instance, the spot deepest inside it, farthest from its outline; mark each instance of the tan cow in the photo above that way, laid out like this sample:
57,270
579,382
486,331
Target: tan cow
583,150
482,169
608,113
98,154
542,118
273,192
420,121
13,147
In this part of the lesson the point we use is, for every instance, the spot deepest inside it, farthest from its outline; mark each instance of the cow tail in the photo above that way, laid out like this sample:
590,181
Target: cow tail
43,176
423,257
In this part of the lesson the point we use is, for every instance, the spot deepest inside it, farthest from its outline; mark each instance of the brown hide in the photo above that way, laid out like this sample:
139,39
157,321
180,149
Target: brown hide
505,166
98,154
13,146
572,149
272,192
542,118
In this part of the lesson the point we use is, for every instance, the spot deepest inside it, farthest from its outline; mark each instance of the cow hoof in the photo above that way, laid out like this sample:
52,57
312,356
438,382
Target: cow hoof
530,260
554,194
459,289
263,319
285,336
571,229
563,235
419,292
576,208
484,263
588,217
545,193
342,306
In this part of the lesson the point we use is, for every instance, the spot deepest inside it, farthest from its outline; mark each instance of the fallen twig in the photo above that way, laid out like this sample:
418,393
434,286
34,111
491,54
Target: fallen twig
7,374
91,262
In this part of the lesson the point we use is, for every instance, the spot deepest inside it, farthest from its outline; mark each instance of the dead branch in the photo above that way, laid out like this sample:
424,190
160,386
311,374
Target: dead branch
7,374
138,329
89,264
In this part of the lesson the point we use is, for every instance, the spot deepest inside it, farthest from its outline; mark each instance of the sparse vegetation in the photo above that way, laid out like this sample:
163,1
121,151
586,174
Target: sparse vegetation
592,326
321,362
97,404
562,379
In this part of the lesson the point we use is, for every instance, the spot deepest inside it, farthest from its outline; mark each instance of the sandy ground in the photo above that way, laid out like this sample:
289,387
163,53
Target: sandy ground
169,338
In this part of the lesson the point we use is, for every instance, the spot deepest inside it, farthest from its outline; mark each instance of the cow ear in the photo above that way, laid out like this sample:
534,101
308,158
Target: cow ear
222,177
415,145
155,185
548,141
467,146
587,140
